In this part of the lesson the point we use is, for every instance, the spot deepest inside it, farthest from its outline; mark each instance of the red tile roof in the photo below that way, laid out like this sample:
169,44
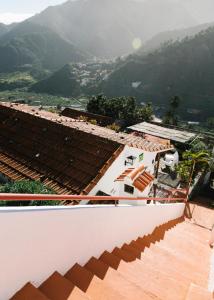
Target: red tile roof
108,134
140,178
143,180
68,160
68,155
77,114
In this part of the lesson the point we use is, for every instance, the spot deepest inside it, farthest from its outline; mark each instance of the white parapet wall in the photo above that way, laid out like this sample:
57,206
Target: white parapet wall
35,242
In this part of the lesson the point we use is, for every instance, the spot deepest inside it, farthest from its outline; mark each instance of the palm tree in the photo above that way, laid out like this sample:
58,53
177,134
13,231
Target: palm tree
194,159
175,102
171,117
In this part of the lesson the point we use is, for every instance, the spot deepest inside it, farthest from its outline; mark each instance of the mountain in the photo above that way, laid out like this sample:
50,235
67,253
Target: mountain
184,68
78,30
107,28
171,36
62,82
30,44
6,28
3,29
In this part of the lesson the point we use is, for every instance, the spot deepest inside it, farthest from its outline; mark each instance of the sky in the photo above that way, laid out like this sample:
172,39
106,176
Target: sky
18,10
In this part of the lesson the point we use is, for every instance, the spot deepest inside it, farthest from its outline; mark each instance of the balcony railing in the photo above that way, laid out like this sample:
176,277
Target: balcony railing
50,197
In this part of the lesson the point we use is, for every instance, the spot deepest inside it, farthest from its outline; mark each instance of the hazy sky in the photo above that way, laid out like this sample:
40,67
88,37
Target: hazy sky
17,10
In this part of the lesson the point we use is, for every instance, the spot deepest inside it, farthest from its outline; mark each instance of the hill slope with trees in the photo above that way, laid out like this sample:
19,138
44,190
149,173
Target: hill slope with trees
62,82
31,44
184,69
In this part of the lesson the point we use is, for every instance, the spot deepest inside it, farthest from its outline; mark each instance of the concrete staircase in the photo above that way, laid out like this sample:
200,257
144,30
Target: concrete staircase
172,263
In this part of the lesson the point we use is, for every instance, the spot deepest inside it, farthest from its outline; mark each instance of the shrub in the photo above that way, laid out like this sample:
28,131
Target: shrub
26,187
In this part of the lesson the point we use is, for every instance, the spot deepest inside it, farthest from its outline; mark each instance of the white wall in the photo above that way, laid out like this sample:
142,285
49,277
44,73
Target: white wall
136,194
107,184
35,242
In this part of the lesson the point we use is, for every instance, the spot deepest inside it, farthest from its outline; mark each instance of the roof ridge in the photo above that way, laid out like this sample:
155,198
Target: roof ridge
102,132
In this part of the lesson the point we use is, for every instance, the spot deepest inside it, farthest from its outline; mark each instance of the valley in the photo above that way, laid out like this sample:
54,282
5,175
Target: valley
82,48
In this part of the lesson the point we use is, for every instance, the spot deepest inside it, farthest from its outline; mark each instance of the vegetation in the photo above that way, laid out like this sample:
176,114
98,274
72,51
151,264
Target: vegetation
171,117
26,187
62,82
15,80
33,98
184,69
124,109
192,163
29,45
114,127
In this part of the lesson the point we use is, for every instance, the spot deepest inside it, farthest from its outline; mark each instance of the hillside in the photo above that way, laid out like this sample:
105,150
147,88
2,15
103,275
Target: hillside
62,82
107,28
30,44
171,36
3,29
183,68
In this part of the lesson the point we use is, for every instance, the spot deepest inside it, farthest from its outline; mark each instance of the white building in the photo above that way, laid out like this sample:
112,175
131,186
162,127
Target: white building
75,157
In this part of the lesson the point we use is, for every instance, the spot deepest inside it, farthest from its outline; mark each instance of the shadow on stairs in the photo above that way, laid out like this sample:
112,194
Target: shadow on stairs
164,265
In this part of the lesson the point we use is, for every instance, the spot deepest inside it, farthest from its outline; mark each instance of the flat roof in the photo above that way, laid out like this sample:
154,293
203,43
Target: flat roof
175,135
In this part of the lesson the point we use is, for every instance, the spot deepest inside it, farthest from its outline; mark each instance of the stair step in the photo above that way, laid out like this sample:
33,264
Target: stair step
171,264
116,280
124,254
198,293
90,284
193,229
29,292
57,287
186,235
110,259
187,250
151,280
132,250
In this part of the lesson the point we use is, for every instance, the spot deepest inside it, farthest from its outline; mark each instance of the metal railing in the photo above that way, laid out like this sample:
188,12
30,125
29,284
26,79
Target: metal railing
50,197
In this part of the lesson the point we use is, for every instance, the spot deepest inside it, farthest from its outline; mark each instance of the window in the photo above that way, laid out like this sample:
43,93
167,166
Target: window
128,189
130,160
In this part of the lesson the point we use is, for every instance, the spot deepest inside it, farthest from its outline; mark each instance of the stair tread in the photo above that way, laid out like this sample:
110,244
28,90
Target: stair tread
164,265
151,280
198,293
29,292
92,285
188,252
116,280
57,287
172,264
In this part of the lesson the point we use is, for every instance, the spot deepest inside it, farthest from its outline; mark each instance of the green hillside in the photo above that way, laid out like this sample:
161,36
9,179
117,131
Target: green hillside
62,82
31,44
183,68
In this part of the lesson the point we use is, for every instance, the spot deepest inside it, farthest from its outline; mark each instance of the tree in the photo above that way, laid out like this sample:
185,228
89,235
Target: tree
124,109
171,117
174,103
95,104
192,163
26,187
144,113
210,123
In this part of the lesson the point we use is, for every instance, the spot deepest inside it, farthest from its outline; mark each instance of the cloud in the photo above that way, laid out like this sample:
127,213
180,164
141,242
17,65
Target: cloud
8,18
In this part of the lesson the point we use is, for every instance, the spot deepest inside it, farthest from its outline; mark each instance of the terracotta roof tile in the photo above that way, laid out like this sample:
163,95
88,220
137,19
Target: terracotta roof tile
108,134
68,160
77,114
140,178
70,155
